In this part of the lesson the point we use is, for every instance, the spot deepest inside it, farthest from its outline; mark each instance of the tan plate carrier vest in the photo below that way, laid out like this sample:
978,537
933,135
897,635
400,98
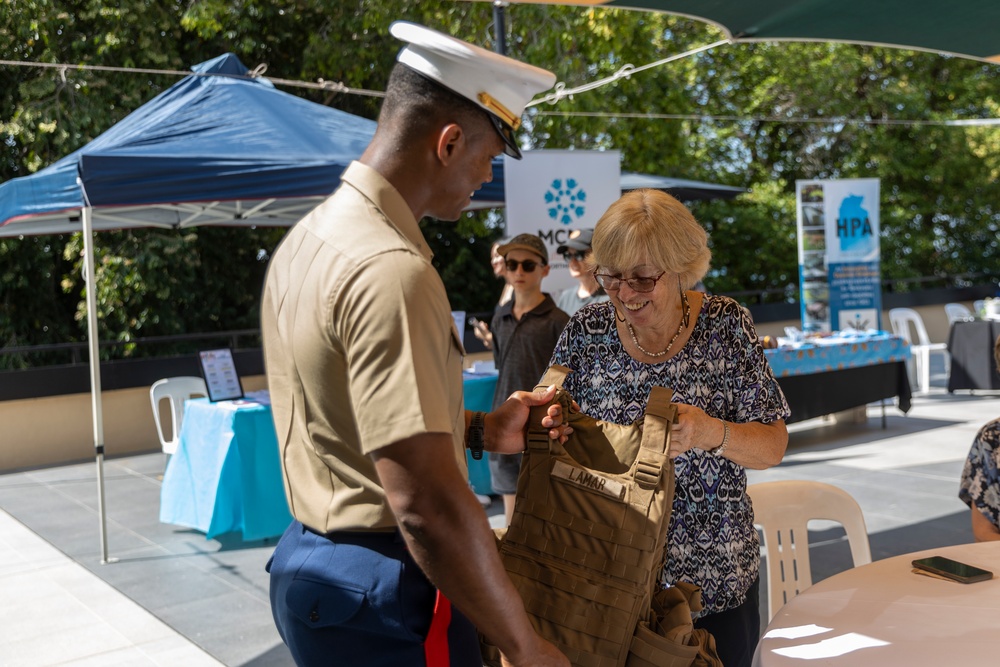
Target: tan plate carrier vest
586,542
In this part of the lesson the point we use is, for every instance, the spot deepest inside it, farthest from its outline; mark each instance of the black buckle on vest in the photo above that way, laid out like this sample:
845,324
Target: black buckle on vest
537,440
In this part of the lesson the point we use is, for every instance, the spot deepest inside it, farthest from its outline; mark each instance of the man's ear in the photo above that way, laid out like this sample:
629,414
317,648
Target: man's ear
545,270
448,140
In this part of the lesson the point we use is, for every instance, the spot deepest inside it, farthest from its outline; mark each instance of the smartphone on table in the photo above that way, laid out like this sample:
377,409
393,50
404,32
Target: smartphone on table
952,569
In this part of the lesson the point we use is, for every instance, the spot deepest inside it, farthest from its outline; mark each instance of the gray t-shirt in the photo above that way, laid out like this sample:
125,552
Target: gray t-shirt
569,300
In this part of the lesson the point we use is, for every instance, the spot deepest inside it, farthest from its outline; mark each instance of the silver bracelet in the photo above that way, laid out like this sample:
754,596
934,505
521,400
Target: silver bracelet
721,449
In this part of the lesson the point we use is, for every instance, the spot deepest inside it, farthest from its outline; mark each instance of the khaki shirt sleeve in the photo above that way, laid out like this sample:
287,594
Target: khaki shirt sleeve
396,331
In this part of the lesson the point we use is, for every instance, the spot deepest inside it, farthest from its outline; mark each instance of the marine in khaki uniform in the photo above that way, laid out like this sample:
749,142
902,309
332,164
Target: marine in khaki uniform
364,368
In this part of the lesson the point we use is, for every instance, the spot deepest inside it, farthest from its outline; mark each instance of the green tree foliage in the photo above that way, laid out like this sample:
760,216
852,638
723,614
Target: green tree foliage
46,113
756,116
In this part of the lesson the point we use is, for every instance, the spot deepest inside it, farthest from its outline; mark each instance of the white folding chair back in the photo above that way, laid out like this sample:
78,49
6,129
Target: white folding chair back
176,390
921,347
957,312
783,510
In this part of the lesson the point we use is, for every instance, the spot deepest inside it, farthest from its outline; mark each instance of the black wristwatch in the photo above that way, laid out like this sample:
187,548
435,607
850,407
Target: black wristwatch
476,428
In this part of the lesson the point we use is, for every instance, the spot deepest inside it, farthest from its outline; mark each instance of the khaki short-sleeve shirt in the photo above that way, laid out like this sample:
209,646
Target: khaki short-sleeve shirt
360,349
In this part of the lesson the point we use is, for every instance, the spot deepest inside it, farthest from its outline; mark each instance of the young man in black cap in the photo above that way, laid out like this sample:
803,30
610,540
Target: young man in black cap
364,368
575,252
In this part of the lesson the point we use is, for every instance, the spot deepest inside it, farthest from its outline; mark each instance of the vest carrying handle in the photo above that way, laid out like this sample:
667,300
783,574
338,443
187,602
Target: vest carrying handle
538,437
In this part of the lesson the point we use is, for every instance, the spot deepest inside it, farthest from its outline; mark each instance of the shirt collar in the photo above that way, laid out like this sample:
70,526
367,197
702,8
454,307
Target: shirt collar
544,307
387,199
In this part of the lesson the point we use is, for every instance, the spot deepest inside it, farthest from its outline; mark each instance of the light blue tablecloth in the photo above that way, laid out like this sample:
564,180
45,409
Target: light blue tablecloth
837,353
478,391
226,476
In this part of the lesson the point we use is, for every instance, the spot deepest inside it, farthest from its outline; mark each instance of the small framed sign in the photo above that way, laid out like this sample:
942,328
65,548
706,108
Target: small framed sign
221,378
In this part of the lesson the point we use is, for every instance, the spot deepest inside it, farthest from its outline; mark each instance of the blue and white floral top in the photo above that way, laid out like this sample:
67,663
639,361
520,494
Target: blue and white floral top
980,487
721,369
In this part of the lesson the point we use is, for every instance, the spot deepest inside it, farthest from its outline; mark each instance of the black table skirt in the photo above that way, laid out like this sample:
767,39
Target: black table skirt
970,345
818,394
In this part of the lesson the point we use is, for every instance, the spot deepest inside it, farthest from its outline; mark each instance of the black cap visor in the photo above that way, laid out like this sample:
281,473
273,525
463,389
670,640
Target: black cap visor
507,134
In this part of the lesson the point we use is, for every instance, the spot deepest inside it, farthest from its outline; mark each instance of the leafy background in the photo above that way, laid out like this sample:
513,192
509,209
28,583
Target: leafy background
756,116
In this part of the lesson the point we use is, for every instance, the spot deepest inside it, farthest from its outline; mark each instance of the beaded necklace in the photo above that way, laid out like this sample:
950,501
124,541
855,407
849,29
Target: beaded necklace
680,328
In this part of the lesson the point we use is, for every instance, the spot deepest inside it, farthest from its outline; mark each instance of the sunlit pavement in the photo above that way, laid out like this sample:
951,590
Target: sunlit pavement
176,598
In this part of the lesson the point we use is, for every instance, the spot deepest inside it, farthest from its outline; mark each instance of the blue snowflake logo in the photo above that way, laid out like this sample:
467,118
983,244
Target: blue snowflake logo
565,202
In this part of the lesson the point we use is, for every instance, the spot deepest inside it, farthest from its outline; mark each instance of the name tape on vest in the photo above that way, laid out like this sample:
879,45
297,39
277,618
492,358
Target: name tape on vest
588,480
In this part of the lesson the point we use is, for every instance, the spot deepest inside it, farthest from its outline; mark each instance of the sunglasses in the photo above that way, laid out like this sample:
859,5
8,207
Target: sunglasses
528,265
570,255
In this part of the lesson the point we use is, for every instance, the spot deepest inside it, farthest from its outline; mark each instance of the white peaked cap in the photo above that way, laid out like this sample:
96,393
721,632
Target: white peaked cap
500,85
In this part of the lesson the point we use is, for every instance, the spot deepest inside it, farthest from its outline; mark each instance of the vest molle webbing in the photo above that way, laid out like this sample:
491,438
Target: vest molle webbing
586,541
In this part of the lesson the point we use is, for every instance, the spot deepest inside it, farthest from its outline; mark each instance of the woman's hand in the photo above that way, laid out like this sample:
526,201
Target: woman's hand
694,429
753,445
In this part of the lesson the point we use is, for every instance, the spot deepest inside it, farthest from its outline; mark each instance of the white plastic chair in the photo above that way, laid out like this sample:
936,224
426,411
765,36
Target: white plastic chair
957,312
783,510
177,390
921,347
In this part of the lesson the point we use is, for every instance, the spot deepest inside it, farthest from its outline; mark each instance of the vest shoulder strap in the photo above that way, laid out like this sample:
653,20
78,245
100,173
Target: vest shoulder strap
660,414
660,404
555,375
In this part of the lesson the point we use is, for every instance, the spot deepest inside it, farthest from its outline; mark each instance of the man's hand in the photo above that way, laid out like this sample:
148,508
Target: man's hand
506,426
481,330
447,534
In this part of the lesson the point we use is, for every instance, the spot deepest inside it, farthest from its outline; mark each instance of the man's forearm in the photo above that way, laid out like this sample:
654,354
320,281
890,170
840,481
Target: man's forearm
449,537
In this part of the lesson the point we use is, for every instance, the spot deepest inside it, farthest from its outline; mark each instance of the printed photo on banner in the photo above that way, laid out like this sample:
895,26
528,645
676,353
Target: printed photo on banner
839,254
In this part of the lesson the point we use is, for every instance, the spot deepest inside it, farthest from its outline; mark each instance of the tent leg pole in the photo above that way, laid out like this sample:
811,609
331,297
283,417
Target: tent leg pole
500,27
90,281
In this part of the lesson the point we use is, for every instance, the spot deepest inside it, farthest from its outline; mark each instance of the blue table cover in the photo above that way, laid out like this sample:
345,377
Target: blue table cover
478,391
846,350
226,475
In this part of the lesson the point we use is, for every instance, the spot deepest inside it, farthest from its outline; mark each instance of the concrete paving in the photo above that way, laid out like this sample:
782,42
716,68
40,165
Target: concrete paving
174,597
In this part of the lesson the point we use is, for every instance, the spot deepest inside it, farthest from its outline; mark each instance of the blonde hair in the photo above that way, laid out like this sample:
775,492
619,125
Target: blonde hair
654,223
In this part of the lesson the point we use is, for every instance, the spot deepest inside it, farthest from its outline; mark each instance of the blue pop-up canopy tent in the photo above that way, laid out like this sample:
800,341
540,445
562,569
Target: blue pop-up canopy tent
217,148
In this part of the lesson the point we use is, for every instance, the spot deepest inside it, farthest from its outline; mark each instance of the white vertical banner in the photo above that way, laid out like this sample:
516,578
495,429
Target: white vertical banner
839,254
552,192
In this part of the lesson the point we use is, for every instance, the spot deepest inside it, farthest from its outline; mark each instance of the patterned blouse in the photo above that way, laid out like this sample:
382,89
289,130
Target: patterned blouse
711,541
980,485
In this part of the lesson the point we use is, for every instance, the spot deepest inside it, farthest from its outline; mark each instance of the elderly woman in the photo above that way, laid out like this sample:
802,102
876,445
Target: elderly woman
648,250
980,485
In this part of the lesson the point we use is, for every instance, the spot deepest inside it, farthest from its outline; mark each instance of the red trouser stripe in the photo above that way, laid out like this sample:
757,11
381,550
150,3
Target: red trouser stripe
436,644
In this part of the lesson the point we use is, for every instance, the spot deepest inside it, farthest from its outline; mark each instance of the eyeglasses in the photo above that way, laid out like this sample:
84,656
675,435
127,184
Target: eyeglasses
638,284
528,265
570,255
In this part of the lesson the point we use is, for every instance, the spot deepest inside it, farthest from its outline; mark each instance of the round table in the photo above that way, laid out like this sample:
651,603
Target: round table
884,614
